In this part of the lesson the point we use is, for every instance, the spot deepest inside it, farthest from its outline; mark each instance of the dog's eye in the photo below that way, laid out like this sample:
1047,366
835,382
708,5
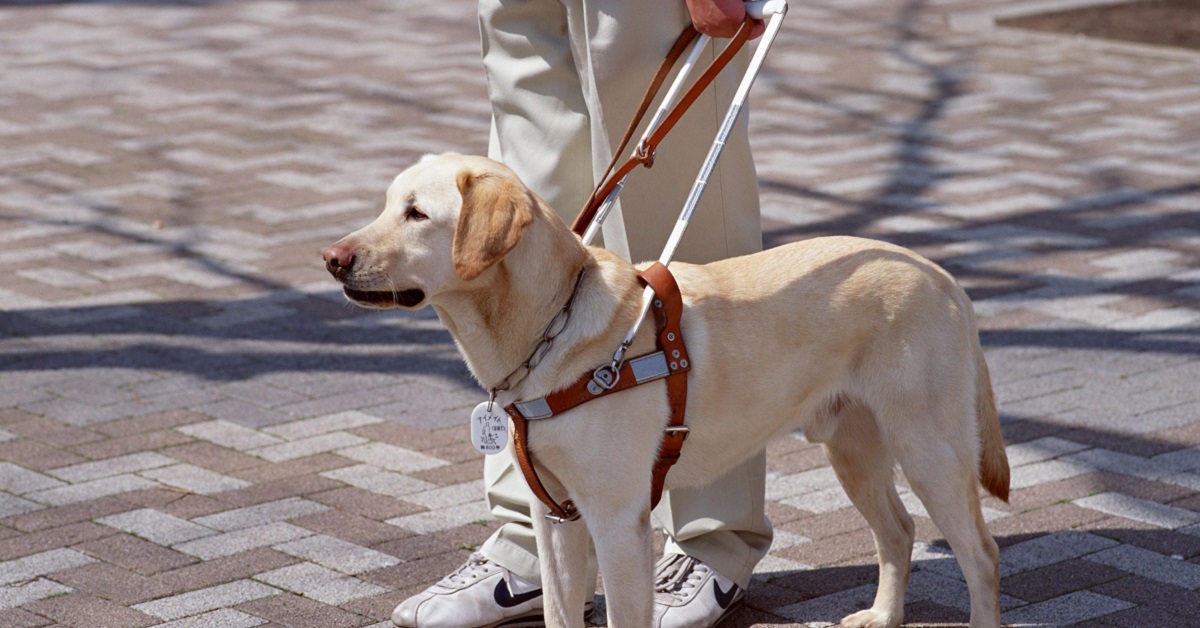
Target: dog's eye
415,214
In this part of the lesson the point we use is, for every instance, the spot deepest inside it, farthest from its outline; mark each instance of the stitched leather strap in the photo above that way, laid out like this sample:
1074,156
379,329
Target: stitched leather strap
670,340
645,151
668,308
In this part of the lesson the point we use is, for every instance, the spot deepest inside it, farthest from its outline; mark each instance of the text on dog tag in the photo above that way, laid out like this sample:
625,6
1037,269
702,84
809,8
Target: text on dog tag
489,429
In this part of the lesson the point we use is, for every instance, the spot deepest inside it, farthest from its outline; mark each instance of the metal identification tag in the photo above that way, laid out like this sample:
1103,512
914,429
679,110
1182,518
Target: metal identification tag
489,429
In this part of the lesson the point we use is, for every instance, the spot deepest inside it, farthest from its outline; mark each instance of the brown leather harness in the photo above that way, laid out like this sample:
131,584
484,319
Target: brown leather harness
670,359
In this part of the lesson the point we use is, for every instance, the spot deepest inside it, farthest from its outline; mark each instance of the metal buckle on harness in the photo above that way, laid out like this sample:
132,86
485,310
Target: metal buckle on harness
678,429
604,378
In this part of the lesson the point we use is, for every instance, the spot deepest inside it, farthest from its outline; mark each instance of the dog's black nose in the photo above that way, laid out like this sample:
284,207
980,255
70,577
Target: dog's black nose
338,258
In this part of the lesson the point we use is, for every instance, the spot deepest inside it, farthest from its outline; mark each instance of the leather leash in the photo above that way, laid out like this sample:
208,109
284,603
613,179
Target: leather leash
645,152
669,361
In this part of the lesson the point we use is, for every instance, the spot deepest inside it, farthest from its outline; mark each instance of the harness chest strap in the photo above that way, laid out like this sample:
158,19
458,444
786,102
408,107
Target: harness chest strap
670,361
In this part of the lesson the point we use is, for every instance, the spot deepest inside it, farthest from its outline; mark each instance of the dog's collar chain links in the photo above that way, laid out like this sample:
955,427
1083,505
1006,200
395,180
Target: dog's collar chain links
555,327
670,361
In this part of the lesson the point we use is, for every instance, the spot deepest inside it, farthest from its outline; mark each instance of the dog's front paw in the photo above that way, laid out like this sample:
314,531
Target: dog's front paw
871,618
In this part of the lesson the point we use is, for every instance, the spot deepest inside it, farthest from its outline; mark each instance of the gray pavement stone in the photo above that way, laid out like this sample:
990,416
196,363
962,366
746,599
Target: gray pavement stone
220,618
443,519
241,540
1146,511
336,554
157,527
229,435
13,596
320,584
206,600
391,457
1050,549
41,564
1067,609
19,480
270,512
94,489
112,466
387,483
1150,565
195,479
310,446
322,425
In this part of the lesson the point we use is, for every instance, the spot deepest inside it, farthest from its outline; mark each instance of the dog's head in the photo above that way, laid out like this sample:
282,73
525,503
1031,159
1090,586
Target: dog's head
447,220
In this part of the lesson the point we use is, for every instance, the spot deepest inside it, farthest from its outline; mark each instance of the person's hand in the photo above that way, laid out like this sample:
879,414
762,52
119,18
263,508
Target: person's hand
720,18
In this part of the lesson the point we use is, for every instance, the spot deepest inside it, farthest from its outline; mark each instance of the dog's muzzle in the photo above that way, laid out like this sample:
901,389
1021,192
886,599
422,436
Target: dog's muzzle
339,261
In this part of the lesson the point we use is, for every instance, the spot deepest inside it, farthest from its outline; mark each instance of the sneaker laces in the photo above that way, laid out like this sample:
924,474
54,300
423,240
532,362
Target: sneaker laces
679,576
476,567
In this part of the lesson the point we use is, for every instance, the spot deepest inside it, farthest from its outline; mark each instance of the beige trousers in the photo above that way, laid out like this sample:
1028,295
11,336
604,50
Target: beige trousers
564,79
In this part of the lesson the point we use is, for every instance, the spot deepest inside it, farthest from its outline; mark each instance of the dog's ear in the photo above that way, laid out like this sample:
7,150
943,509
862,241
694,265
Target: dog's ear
496,210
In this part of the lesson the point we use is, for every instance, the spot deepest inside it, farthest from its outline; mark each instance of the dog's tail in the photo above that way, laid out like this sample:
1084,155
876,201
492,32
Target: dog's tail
993,461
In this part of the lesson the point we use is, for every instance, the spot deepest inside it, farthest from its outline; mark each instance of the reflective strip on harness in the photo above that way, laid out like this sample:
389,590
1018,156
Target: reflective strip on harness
646,368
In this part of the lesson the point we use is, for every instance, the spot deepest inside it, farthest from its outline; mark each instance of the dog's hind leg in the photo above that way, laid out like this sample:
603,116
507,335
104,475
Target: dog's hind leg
863,463
943,475
562,559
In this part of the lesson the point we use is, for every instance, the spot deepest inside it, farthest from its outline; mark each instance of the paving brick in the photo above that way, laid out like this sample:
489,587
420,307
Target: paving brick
19,480
15,595
322,425
320,584
220,618
1058,579
294,610
305,466
270,512
444,519
84,491
135,554
113,583
135,443
312,445
230,543
45,540
37,456
1150,565
390,457
41,564
1067,609
204,600
79,608
229,435
195,479
365,503
1142,510
213,457
1050,549
223,570
337,554
372,479
157,527
112,466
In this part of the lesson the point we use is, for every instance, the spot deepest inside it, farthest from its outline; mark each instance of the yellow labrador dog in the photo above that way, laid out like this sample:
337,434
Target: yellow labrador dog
868,347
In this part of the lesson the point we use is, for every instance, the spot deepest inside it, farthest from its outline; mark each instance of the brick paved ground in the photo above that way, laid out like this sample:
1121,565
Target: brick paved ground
194,429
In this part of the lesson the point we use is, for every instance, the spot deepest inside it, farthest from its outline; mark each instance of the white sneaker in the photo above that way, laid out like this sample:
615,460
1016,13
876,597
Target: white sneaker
690,594
479,594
